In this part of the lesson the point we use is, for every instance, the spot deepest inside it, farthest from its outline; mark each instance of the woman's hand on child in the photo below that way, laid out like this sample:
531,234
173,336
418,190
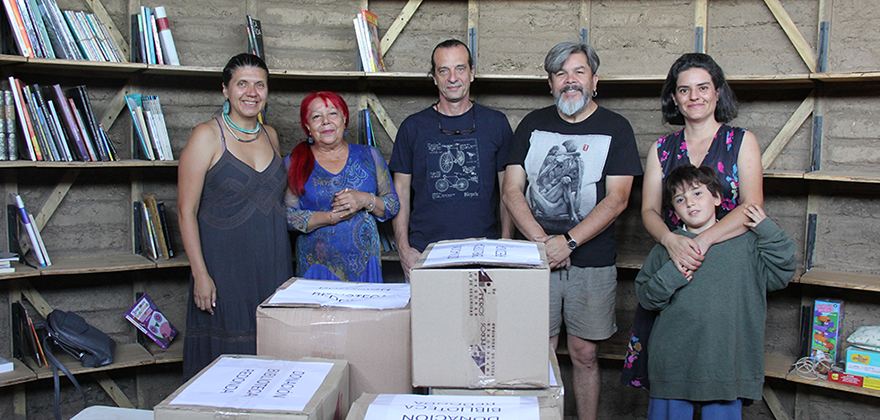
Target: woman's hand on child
755,213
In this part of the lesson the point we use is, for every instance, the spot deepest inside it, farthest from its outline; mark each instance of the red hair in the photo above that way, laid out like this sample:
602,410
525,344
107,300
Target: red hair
302,161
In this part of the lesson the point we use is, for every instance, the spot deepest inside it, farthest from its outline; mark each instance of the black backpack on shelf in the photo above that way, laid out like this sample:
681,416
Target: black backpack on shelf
84,342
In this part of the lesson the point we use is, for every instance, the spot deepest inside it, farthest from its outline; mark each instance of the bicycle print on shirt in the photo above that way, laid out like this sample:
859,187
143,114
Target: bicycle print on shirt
453,168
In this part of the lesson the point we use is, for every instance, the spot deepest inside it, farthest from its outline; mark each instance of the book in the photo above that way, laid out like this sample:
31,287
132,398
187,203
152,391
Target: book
25,343
40,242
149,234
77,115
146,317
35,126
362,43
371,22
827,318
156,224
30,29
42,34
135,107
152,106
27,131
57,129
148,36
30,229
59,48
10,124
19,31
62,29
80,96
105,41
255,37
108,143
7,257
68,122
167,40
165,230
4,145
154,31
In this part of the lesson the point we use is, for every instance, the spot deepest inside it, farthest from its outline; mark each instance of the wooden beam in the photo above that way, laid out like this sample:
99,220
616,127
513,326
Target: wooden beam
114,107
585,14
701,20
19,403
36,299
773,403
112,390
797,119
474,30
382,115
794,35
55,198
115,35
397,26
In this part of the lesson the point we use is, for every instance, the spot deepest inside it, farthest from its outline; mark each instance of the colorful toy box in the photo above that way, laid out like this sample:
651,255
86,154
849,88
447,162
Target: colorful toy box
827,316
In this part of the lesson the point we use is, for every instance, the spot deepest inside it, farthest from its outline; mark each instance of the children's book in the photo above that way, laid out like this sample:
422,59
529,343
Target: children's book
827,316
147,318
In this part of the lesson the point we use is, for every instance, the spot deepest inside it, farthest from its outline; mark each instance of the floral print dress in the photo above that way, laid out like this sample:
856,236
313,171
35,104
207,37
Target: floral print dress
672,151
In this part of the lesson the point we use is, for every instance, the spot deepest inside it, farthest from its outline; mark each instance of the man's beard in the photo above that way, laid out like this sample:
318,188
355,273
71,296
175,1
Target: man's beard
570,108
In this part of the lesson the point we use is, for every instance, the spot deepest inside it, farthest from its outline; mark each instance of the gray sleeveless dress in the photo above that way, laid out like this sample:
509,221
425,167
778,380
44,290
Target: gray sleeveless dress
246,248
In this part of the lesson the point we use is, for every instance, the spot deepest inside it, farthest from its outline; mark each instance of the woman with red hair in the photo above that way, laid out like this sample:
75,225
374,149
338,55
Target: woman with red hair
337,192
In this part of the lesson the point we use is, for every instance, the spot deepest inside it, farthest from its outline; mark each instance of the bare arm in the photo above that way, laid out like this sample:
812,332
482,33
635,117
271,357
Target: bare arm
513,196
507,226
751,191
617,190
201,151
408,255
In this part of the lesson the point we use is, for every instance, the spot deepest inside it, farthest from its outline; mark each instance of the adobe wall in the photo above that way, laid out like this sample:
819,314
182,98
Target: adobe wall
633,38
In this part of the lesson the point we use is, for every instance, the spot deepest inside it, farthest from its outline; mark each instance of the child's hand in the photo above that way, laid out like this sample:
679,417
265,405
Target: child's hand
755,213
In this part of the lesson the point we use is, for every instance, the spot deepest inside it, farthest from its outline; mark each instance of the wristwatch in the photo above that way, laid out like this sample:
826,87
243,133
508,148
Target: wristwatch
572,244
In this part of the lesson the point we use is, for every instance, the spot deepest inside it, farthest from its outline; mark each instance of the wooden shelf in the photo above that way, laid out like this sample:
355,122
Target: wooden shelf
20,374
871,76
127,355
860,177
97,264
631,261
841,279
173,354
128,163
783,174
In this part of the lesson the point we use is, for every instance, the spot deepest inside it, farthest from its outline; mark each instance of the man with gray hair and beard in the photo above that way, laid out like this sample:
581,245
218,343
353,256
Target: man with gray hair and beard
568,176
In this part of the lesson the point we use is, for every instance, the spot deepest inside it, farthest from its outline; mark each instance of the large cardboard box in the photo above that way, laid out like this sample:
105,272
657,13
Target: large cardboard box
262,379
480,325
555,393
547,410
375,342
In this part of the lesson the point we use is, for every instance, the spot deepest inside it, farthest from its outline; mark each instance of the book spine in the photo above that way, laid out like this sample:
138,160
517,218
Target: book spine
26,131
150,233
109,48
156,43
42,127
148,35
29,29
49,152
58,45
168,47
68,121
35,246
4,145
111,150
77,115
11,138
160,205
74,30
44,116
82,96
362,43
61,27
18,29
40,240
65,142
138,128
150,123
142,123
89,37
156,222
372,24
40,29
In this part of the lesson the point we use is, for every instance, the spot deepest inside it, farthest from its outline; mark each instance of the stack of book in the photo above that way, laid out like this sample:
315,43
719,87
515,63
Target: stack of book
255,38
26,339
6,260
152,42
59,125
366,29
33,233
365,128
42,30
151,231
149,126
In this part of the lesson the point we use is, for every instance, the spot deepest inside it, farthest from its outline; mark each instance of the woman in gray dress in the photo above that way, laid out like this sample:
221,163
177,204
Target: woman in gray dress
231,184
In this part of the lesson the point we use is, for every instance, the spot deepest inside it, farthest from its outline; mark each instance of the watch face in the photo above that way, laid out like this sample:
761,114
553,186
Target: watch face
572,244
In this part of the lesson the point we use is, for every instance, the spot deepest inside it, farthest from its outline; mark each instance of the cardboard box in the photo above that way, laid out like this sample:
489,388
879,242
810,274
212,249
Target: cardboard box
862,362
555,392
376,343
854,380
259,377
827,318
477,326
546,407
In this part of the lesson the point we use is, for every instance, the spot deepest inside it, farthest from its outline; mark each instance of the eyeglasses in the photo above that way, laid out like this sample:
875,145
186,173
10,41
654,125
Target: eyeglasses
457,132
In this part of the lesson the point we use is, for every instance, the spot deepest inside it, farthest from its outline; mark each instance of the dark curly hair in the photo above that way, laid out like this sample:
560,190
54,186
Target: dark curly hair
689,175
725,109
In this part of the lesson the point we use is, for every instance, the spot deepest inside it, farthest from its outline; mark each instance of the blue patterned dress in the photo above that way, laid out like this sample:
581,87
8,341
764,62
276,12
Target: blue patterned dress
349,250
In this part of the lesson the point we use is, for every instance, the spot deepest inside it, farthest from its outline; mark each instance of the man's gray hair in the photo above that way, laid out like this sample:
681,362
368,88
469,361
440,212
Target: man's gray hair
556,57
